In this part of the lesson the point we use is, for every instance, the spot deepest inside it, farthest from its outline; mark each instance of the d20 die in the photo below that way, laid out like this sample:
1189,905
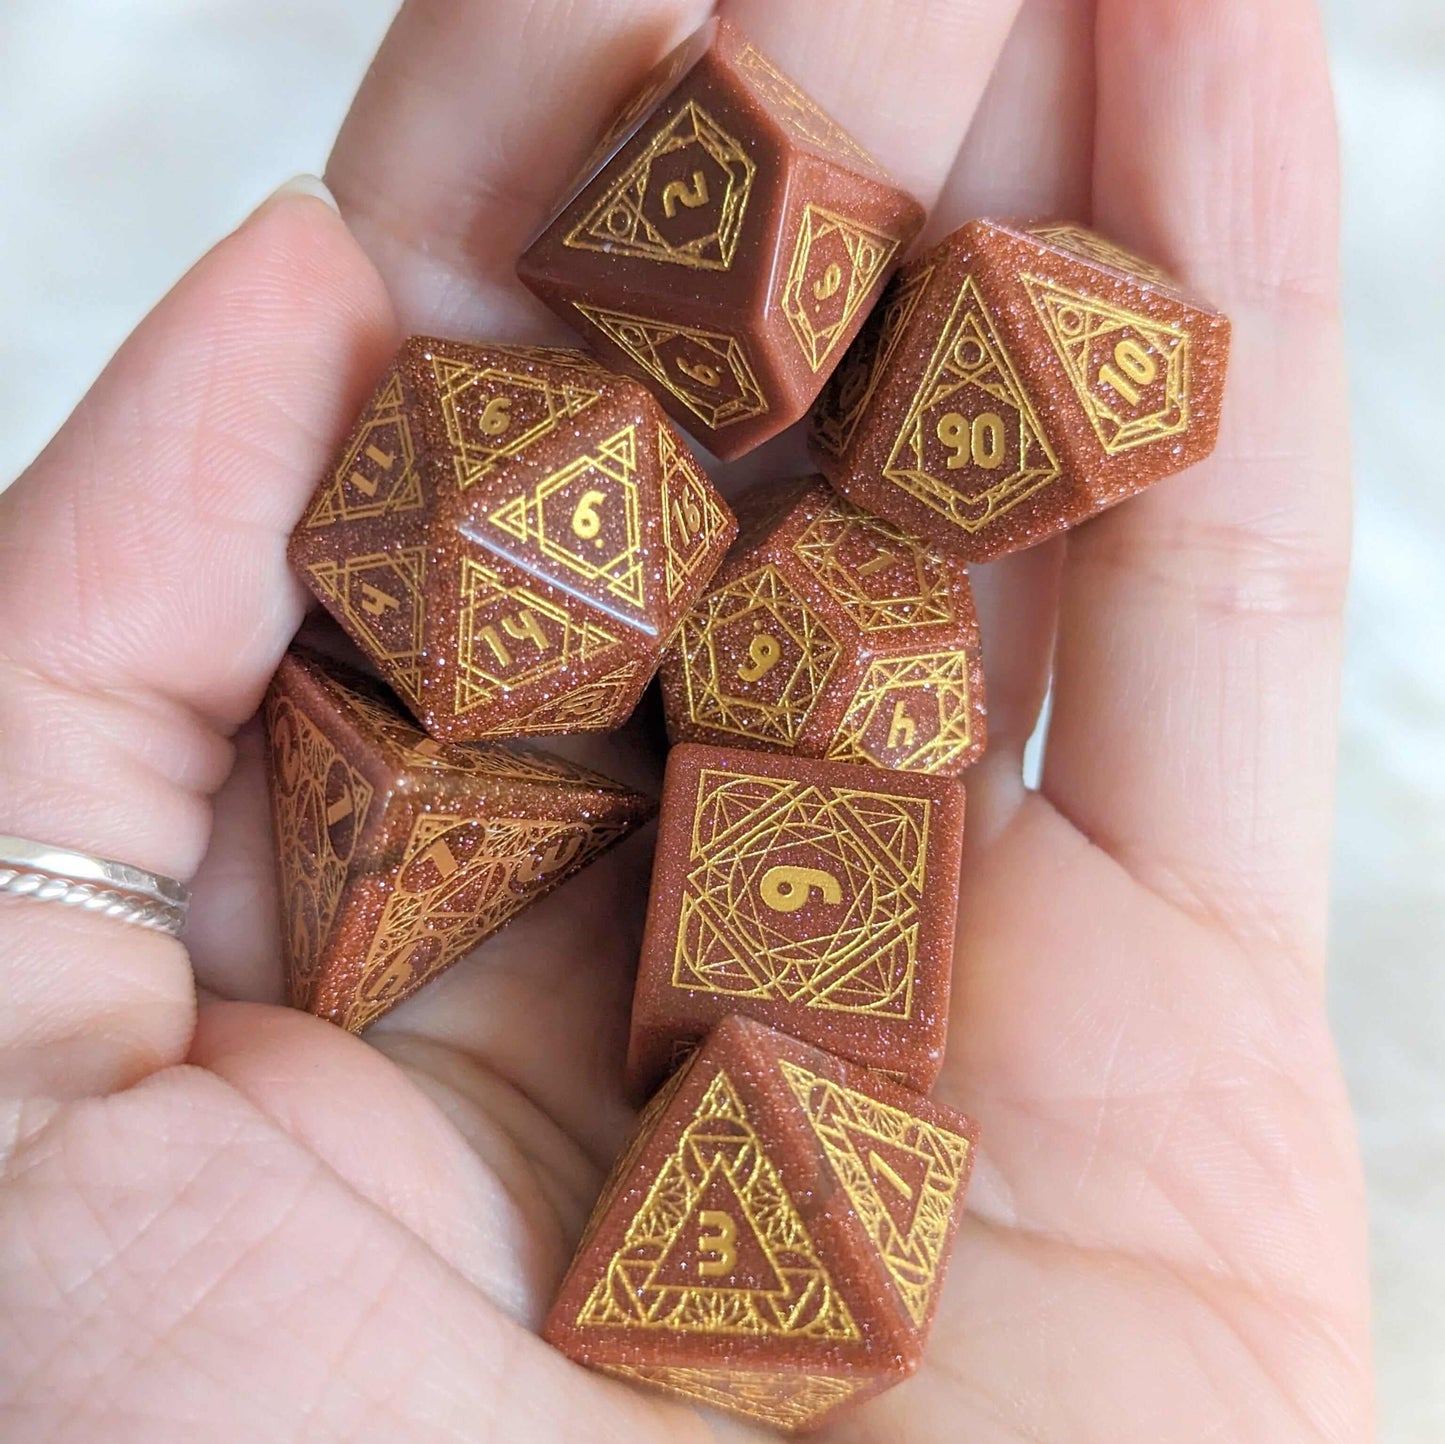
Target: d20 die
817,897
398,854
726,244
773,1240
1016,380
830,633
511,534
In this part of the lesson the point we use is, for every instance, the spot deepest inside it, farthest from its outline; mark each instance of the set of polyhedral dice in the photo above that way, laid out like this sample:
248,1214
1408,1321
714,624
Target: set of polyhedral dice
519,539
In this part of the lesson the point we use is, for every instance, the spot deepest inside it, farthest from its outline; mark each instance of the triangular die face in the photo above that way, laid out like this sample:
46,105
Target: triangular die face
879,1153
972,446
495,412
836,261
378,476
753,1232
1129,371
581,529
460,879
320,804
592,707
681,202
786,1400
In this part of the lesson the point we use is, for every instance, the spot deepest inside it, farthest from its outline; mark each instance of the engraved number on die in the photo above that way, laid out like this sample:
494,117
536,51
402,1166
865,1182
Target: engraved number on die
717,1243
586,524
1131,368
676,193
496,416
524,627
981,442
763,654
785,889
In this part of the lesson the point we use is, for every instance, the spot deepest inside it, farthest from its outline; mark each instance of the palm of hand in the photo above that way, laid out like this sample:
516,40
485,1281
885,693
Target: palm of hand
301,1235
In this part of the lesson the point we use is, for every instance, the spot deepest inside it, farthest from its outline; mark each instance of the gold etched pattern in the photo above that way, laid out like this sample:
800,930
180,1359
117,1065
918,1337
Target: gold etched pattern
380,596
1130,372
1090,246
594,706
972,446
510,636
836,262
707,371
912,713
693,519
682,201
585,521
378,476
882,577
755,657
493,412
460,879
798,112
853,385
803,894
902,1176
785,1400
682,1270
319,803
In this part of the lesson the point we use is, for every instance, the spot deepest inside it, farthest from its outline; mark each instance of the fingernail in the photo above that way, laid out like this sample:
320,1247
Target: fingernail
306,185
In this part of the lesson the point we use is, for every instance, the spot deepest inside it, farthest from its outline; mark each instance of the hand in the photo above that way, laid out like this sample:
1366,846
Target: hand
227,1221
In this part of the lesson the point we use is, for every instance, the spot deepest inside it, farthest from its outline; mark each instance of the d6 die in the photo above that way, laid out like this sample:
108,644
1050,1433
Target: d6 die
774,1239
398,853
511,534
727,243
830,633
1017,379
818,897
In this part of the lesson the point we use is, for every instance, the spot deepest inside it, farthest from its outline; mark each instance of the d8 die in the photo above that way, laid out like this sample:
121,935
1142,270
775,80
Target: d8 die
398,853
727,243
830,633
1017,379
817,897
774,1239
511,534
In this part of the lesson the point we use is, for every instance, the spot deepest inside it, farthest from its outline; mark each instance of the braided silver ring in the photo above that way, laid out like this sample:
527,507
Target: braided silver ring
91,885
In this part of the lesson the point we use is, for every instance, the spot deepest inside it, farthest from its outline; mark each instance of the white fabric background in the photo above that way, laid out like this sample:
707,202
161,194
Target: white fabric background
133,133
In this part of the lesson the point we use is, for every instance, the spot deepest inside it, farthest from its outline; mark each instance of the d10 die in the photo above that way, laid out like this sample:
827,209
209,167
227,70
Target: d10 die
1017,379
727,243
511,534
830,633
817,897
774,1239
398,853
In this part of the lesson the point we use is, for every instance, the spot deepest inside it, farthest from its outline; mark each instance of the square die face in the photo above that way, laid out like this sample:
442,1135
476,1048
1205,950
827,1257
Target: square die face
817,897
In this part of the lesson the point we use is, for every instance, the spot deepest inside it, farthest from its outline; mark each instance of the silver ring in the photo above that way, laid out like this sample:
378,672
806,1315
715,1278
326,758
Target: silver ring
92,885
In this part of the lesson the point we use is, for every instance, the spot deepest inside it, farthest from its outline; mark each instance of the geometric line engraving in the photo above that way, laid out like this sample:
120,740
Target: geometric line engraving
902,1176
692,517
593,706
378,475
693,179
911,713
707,371
785,1400
972,446
797,110
852,947
1089,246
718,1247
1112,357
819,306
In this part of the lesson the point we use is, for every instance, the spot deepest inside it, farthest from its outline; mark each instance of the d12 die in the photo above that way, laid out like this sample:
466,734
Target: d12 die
398,853
774,1239
727,243
817,897
511,534
1017,379
830,633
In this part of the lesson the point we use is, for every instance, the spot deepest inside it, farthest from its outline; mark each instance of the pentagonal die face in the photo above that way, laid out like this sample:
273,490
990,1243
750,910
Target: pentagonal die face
1016,380
511,534
726,244
831,633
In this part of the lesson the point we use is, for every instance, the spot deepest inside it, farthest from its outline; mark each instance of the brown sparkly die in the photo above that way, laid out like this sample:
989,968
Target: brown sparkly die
511,534
1016,380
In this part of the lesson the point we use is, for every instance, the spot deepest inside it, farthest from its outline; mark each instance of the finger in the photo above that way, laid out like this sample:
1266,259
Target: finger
1194,713
145,600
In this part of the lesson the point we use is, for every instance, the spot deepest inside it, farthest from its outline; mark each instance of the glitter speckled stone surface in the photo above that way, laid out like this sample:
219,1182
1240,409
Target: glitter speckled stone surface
830,633
817,897
398,853
774,1239
726,244
1017,379
511,534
